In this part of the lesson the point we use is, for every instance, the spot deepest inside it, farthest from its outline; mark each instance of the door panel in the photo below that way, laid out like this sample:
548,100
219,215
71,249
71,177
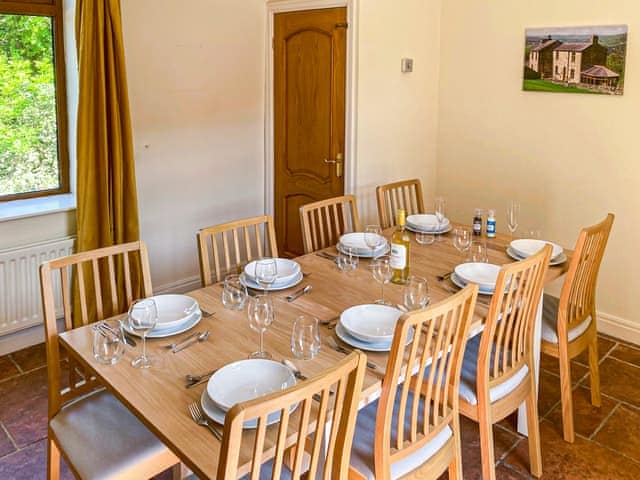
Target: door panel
309,100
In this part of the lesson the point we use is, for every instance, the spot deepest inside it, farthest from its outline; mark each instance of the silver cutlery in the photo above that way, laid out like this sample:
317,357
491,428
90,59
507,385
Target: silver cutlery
191,341
199,418
195,378
102,326
206,314
171,346
402,308
297,294
444,276
339,348
327,256
331,323
300,376
479,299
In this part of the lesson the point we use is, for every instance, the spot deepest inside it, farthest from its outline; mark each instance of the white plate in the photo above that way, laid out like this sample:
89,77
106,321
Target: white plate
484,274
461,283
370,323
426,222
248,379
217,415
440,232
367,253
191,322
343,335
559,260
356,241
275,286
174,310
286,270
525,247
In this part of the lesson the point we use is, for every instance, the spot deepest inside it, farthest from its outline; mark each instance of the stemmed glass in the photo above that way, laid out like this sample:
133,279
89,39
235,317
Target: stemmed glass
462,239
143,316
415,293
373,237
440,205
261,313
382,274
512,216
266,272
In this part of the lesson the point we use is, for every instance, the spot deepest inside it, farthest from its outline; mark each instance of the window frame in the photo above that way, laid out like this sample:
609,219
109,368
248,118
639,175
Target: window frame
54,10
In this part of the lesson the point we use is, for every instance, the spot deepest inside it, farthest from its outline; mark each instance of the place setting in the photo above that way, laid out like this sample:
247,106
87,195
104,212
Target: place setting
367,244
525,247
271,274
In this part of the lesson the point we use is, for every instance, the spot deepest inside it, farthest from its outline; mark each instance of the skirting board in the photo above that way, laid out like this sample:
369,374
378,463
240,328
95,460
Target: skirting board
617,327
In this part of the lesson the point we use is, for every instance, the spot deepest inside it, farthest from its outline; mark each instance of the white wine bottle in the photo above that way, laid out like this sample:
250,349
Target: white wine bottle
400,242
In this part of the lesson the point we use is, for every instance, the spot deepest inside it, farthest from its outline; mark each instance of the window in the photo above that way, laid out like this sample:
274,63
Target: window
557,55
572,73
557,71
573,56
33,117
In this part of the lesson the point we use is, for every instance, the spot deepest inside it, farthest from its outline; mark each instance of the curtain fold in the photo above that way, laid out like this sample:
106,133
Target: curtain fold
107,211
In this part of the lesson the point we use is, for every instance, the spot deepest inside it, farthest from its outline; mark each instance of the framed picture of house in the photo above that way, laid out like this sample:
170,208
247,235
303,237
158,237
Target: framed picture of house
575,59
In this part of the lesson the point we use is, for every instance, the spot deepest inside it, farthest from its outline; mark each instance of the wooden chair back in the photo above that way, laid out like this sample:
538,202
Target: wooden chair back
232,245
426,403
578,295
406,194
506,344
345,379
323,222
105,270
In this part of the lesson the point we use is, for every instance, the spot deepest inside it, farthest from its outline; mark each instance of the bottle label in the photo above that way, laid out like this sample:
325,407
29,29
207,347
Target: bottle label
398,256
477,227
491,228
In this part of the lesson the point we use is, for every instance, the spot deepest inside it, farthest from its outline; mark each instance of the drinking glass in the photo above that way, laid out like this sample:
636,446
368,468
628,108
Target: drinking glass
439,208
347,259
462,239
513,210
266,272
305,337
478,253
261,313
382,273
143,316
415,293
234,293
425,238
373,237
108,345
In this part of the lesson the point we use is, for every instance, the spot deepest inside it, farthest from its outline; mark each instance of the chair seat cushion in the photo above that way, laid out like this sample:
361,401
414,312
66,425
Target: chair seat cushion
363,443
550,321
468,378
265,473
103,439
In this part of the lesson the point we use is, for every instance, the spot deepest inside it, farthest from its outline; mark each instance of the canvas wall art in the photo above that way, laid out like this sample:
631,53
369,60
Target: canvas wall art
575,59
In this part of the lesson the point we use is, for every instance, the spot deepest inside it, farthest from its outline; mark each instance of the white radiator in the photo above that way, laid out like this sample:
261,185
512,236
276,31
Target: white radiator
20,303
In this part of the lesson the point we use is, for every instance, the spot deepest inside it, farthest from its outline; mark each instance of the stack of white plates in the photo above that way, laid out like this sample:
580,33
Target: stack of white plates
176,314
245,380
288,274
525,247
427,223
357,243
484,275
369,327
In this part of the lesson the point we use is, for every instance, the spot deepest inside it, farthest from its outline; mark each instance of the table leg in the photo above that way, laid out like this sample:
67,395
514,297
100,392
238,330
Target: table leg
537,333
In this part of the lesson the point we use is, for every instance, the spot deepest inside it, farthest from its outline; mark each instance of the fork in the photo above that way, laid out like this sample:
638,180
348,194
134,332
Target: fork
199,418
339,348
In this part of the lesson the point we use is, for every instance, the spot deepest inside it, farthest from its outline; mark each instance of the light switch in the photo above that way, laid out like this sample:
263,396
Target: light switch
407,65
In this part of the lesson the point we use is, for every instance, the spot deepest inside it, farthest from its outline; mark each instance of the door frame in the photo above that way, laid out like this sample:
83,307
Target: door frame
279,6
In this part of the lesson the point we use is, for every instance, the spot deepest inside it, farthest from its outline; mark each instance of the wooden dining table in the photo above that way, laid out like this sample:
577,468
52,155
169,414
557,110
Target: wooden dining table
158,397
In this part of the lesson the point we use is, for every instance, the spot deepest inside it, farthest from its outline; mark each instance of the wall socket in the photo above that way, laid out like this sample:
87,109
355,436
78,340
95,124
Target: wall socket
406,65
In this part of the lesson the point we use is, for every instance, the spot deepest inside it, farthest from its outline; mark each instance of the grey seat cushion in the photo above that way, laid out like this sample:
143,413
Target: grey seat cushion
550,321
265,473
103,439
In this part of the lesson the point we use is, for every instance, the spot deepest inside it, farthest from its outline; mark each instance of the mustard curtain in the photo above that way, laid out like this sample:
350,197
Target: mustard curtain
107,211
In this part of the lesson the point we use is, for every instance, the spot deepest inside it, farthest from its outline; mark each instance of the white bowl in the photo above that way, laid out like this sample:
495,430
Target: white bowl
484,275
426,222
286,270
174,310
356,241
525,247
248,379
370,323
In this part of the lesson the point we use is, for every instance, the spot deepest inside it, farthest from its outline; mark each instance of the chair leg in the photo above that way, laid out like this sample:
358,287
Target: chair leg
486,446
594,371
533,426
566,396
178,471
455,467
53,460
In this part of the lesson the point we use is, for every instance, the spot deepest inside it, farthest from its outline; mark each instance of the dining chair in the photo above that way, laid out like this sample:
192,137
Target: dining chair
95,433
498,372
569,322
302,408
406,194
323,222
231,245
414,426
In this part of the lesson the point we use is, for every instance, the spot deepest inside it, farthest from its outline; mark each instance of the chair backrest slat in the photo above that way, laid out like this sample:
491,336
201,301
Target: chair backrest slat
323,222
406,194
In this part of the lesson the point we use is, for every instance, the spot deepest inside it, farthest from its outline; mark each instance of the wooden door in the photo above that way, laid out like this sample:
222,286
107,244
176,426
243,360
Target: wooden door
309,115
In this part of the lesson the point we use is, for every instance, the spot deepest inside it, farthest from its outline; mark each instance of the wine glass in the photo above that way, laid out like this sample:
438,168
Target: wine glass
305,337
234,293
440,205
261,313
512,216
266,272
425,238
479,253
415,293
143,316
462,239
382,273
347,259
373,237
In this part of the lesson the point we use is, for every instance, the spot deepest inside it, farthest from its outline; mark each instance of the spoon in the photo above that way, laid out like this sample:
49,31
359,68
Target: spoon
173,345
191,341
299,293
195,378
295,370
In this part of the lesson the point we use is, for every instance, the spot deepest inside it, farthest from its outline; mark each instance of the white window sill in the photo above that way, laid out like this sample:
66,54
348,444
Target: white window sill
33,207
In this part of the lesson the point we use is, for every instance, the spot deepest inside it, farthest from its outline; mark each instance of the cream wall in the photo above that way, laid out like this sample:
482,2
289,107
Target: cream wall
569,159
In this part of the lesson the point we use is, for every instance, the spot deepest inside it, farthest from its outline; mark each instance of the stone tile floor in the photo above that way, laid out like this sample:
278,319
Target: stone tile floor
607,444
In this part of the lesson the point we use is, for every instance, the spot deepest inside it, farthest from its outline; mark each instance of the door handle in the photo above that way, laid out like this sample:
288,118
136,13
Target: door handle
338,162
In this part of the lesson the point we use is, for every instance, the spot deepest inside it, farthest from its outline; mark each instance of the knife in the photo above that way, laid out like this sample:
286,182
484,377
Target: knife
127,338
